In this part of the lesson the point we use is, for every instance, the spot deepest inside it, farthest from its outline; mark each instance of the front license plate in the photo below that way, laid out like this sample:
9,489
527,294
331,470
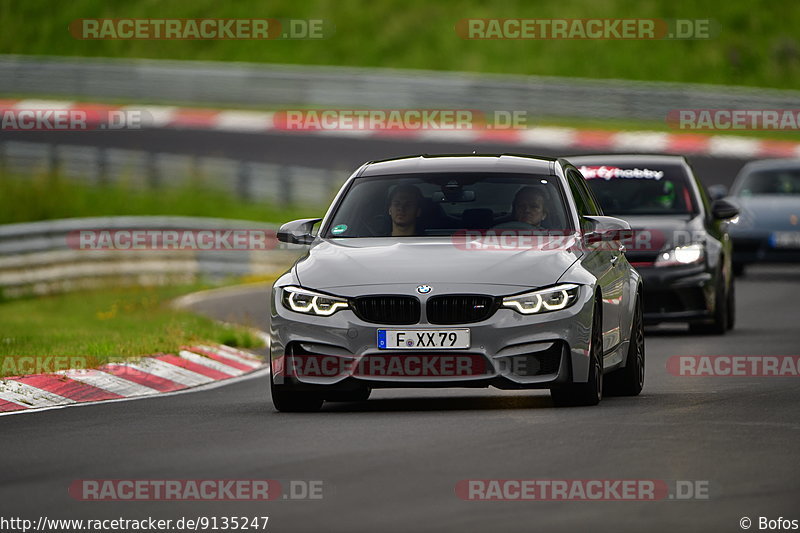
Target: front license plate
423,339
785,239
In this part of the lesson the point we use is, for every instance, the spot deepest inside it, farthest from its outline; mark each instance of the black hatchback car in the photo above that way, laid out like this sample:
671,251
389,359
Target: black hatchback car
680,242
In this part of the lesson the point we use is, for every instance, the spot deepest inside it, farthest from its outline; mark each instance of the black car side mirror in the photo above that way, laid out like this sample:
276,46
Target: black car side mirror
723,209
606,229
298,231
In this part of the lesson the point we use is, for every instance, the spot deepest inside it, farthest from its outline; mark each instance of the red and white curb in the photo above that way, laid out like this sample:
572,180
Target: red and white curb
192,366
546,137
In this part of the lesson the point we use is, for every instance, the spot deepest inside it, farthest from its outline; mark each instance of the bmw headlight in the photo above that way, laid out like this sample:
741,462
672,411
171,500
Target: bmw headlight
682,255
310,302
543,300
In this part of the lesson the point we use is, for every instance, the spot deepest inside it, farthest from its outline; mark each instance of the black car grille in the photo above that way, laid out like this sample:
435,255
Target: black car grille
674,300
460,308
747,245
387,309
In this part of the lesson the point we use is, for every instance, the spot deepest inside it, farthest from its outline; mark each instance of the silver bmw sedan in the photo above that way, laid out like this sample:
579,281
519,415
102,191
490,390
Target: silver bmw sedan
458,271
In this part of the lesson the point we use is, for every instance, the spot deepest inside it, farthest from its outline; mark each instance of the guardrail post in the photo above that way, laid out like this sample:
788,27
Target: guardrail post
102,166
52,160
243,179
153,177
285,180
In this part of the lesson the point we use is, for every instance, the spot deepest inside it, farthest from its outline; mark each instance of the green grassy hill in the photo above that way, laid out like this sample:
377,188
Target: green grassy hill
758,42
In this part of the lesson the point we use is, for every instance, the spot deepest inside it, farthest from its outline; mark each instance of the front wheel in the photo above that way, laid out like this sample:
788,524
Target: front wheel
591,392
719,324
287,400
629,380
732,305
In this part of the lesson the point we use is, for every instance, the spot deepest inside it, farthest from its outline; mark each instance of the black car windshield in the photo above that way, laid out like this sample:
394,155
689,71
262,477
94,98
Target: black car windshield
783,181
641,189
445,203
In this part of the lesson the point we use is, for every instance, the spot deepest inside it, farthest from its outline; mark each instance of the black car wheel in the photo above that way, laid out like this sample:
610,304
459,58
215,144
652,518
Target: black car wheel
291,401
719,324
629,380
732,305
591,392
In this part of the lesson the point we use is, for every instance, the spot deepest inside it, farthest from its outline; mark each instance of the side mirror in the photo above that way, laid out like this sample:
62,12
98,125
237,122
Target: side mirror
723,210
606,229
717,192
298,231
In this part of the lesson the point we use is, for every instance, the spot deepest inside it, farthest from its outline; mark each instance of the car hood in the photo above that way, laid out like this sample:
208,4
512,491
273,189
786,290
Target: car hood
768,212
389,261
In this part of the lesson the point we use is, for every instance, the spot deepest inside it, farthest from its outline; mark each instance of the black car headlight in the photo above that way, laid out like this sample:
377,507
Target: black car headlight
309,302
681,255
543,300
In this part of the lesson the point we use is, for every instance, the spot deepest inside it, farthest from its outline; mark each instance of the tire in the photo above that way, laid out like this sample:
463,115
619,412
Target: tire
629,380
732,305
719,325
591,392
286,400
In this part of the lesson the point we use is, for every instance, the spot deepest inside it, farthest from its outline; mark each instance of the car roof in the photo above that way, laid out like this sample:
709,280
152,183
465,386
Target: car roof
771,164
649,159
461,163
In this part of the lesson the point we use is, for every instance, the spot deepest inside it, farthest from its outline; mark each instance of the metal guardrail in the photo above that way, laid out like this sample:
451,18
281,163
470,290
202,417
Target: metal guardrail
270,85
248,180
36,257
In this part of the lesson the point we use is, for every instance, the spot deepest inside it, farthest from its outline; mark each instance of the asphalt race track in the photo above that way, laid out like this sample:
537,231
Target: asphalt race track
392,463
340,153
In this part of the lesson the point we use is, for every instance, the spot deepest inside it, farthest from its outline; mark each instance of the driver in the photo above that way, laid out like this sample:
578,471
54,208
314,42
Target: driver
405,208
527,210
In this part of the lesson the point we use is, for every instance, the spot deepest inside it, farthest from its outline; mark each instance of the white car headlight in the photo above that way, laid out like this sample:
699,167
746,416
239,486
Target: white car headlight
310,302
682,255
543,300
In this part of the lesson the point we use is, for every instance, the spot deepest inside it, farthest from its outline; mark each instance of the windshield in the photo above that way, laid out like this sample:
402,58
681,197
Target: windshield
640,190
783,182
445,203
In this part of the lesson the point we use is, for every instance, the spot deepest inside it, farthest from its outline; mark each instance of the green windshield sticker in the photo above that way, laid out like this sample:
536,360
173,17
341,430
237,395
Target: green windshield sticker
341,228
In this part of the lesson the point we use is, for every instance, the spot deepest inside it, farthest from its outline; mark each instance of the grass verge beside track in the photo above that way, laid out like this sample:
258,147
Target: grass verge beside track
47,197
94,327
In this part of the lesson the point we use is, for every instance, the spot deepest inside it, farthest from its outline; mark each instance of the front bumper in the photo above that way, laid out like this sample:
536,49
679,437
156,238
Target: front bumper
508,350
757,248
677,293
